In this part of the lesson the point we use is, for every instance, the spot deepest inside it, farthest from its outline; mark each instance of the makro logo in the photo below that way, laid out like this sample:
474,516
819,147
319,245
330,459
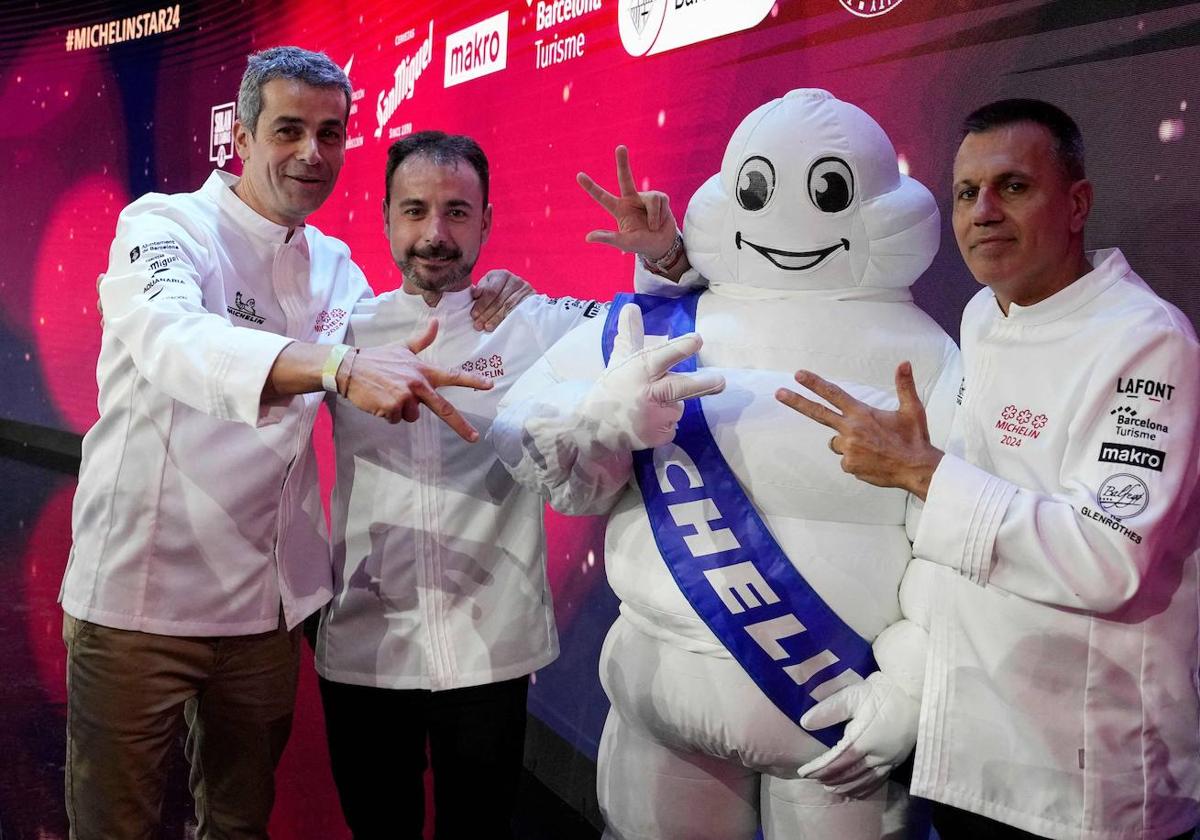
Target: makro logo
477,50
649,27
404,82
220,133
869,8
1137,456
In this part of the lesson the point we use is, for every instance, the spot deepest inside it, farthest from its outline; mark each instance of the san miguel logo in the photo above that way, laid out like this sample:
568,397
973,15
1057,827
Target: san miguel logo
404,82
869,8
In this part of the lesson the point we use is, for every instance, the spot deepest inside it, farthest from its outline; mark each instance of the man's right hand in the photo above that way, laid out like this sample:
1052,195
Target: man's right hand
392,382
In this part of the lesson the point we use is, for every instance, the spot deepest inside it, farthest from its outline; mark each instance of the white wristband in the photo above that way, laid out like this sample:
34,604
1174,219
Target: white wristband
332,362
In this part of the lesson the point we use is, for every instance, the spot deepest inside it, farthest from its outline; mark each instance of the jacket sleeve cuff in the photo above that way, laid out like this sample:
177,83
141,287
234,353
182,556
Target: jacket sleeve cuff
646,282
239,372
963,511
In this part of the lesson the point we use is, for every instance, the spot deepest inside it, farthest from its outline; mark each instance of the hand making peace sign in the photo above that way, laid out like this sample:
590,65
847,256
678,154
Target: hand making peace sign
884,448
645,223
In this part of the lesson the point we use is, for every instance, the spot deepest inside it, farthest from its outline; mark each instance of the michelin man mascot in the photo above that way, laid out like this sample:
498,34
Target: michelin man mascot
762,670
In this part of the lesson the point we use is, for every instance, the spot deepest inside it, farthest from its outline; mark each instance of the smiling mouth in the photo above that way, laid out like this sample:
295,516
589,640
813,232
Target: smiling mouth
793,260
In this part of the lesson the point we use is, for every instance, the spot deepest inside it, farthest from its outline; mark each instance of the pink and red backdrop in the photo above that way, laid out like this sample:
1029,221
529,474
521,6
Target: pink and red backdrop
98,113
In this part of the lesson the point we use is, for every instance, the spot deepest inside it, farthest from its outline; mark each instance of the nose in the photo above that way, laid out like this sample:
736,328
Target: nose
308,150
986,209
435,229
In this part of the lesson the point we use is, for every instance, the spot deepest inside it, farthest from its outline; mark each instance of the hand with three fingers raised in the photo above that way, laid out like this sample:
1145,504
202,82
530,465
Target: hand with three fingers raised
645,224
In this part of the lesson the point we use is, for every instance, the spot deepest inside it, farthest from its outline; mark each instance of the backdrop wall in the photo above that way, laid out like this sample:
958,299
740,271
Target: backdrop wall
103,102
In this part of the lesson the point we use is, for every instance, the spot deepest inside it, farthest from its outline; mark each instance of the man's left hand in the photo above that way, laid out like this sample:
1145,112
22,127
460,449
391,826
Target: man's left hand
884,448
496,294
645,223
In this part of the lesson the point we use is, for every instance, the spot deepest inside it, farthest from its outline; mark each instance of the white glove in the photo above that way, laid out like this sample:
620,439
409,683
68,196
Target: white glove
636,403
881,732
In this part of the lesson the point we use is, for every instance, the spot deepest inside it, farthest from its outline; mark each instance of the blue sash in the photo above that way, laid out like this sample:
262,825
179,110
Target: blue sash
725,560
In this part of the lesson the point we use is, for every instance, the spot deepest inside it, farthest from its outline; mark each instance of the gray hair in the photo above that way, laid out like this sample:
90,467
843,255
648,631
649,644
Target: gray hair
311,68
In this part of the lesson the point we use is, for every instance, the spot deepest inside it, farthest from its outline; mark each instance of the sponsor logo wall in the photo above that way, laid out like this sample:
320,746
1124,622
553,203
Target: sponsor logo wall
104,104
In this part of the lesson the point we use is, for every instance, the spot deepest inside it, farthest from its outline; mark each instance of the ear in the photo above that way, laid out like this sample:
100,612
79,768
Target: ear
487,225
1081,195
242,136
387,223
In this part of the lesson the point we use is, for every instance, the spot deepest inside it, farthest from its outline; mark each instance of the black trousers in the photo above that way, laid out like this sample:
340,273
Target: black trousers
957,824
377,739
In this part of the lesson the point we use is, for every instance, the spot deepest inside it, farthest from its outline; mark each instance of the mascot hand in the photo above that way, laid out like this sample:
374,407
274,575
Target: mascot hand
881,732
637,402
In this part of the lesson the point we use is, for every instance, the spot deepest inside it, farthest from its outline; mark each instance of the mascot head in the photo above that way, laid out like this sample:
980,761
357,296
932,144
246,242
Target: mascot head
810,196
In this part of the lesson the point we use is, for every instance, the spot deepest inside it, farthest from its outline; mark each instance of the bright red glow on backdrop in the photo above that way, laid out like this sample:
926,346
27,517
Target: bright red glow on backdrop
106,101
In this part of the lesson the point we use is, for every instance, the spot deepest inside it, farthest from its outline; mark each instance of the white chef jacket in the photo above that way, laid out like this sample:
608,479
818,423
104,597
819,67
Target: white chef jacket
439,557
198,510
1061,687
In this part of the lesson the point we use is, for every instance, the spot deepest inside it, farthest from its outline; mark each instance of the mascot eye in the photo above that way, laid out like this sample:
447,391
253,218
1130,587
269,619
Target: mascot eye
831,185
756,182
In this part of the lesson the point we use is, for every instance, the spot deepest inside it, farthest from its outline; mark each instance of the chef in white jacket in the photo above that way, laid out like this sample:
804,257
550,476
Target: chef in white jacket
441,608
199,540
1061,690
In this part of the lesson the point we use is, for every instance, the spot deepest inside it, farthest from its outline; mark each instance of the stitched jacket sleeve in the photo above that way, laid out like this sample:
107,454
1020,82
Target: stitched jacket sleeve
552,318
1092,545
153,298
543,440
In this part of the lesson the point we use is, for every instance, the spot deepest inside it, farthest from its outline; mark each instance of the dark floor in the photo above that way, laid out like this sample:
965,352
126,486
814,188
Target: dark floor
35,507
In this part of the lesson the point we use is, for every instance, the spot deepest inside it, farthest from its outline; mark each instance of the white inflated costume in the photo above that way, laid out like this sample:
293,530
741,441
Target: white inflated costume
809,238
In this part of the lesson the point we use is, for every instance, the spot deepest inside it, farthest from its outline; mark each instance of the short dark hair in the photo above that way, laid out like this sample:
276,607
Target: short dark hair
1068,142
441,148
312,68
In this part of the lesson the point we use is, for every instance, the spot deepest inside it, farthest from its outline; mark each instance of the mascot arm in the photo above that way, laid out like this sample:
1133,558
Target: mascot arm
881,714
544,440
569,434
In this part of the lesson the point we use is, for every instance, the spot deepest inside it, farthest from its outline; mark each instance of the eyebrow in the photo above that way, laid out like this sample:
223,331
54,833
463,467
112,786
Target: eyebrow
286,120
1003,176
419,202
